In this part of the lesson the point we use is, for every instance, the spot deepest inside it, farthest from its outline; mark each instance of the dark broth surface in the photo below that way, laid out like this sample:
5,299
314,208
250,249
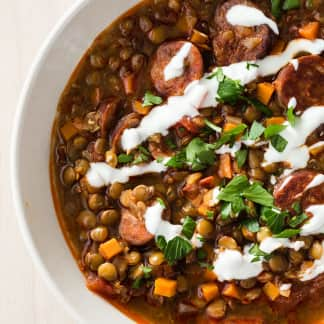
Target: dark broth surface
110,83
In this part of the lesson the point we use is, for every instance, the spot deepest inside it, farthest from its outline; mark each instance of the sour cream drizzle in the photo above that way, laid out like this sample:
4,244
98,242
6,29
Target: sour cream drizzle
296,152
315,225
158,226
101,174
175,68
201,93
270,244
295,64
247,16
316,269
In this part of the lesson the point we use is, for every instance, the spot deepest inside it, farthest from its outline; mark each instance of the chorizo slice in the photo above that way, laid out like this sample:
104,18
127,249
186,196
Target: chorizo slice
132,229
294,187
305,82
233,44
193,68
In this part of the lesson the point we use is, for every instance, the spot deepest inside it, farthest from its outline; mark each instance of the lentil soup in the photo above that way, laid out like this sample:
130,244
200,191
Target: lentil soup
187,162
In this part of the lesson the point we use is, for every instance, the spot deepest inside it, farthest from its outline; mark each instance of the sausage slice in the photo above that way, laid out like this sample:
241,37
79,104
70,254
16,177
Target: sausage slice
239,43
132,229
305,83
294,187
193,68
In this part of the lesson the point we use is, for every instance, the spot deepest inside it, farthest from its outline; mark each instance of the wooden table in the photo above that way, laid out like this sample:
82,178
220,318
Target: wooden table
24,297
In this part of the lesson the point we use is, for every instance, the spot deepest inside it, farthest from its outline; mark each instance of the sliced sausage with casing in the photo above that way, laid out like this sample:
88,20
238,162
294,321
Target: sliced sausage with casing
193,68
234,43
304,83
132,229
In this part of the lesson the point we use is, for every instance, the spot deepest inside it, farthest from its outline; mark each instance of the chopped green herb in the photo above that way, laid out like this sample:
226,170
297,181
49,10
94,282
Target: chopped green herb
150,99
237,205
137,283
296,207
144,150
206,265
291,116
188,227
140,158
273,130
160,159
210,214
218,74
176,249
287,233
291,4
212,126
147,271
178,160
274,218
229,91
297,220
258,253
241,157
276,8
229,136
234,188
258,105
226,210
278,142
125,158
171,145
256,193
256,131
252,225
249,65
199,154
201,254
161,202
161,243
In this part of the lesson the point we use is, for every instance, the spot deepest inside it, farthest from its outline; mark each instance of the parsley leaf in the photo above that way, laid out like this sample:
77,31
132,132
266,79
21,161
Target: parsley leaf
206,265
212,126
125,158
241,157
176,249
226,210
178,160
161,202
188,227
229,91
258,194
140,158
229,136
210,214
147,271
237,205
274,218
199,154
161,243
137,283
276,8
272,130
234,188
297,220
256,131
170,144
291,116
291,4
258,105
201,254
251,224
296,207
278,142
249,65
258,253
218,74
150,99
287,233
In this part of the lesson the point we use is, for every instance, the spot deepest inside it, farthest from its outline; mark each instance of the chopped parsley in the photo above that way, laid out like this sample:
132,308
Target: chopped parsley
147,271
274,218
278,142
273,130
255,131
287,233
276,8
161,202
258,253
150,99
210,214
142,156
252,225
170,144
229,91
125,158
217,74
212,126
201,254
206,265
241,157
178,160
188,227
297,220
291,4
137,283
291,116
226,210
249,65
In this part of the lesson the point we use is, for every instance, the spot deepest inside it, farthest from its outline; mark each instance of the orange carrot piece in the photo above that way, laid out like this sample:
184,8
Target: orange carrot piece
110,248
231,290
229,126
271,291
208,182
165,287
140,109
310,30
129,83
225,166
274,121
210,275
68,130
264,92
209,291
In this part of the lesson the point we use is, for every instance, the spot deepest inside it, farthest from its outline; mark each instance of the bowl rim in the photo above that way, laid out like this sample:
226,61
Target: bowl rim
16,193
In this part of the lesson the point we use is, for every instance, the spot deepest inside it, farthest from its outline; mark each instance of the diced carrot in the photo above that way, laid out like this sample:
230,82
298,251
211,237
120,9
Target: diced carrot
274,121
310,30
317,149
209,291
140,109
198,37
278,47
231,290
265,91
68,130
202,210
129,83
193,178
110,248
271,290
208,182
229,126
210,275
225,166
165,287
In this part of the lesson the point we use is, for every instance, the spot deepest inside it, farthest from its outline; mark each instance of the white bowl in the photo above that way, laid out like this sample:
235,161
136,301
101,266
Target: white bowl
30,156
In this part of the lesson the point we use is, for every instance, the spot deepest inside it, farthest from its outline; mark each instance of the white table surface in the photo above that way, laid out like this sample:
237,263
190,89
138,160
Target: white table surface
24,297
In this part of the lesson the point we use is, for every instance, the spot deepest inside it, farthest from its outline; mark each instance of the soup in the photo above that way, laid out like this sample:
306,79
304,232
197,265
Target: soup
187,162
